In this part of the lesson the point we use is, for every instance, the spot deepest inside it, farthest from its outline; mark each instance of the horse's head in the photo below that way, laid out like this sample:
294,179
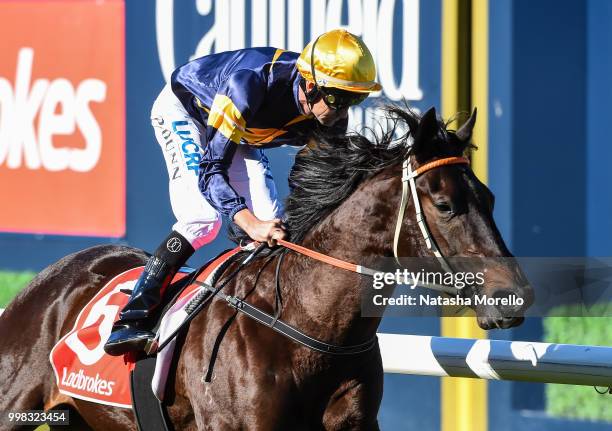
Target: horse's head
458,213
347,193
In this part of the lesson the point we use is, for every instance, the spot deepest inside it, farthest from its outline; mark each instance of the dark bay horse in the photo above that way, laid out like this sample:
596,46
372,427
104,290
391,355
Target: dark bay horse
345,196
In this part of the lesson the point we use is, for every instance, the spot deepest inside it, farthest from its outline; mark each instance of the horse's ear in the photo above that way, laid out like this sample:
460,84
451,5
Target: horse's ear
465,132
425,134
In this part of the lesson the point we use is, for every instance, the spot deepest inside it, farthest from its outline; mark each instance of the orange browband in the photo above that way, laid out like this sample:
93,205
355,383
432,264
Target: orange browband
442,162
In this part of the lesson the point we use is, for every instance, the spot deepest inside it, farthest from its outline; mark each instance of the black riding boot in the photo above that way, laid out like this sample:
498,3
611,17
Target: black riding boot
133,329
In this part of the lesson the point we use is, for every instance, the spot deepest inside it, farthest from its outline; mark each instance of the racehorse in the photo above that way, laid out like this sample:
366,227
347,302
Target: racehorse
346,191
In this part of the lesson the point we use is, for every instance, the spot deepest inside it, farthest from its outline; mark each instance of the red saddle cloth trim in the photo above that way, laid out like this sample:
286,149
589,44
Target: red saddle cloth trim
82,368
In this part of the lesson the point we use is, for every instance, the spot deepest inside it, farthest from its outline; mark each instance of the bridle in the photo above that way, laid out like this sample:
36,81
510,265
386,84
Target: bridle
409,177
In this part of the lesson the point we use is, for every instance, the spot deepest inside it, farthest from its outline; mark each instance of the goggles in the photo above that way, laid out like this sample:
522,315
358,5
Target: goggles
337,99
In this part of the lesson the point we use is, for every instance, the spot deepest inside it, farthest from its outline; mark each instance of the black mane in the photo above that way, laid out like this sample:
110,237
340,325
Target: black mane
330,167
328,170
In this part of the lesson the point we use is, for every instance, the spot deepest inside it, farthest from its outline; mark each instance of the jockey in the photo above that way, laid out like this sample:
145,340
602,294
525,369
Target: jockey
212,122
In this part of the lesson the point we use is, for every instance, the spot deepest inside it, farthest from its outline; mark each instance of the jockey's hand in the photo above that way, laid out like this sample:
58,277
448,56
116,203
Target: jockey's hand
258,230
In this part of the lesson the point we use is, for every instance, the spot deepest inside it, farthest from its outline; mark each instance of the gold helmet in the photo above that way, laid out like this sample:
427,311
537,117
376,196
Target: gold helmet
341,60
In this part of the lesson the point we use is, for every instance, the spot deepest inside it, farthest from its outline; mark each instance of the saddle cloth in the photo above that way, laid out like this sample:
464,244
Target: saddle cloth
83,370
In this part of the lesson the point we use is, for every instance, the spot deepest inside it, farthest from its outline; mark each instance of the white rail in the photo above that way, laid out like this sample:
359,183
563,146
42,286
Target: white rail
497,360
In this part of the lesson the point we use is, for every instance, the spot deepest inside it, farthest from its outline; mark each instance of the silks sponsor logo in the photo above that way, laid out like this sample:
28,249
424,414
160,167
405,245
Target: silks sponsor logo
190,149
83,382
229,25
62,117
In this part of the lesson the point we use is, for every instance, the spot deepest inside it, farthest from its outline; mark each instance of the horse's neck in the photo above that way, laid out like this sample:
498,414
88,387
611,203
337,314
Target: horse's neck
327,299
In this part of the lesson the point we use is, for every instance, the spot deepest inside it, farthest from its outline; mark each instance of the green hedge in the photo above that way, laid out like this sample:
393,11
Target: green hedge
11,283
578,402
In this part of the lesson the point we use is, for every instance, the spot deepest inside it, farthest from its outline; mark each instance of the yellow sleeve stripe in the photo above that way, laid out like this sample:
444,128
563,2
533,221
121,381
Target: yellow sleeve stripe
277,54
226,118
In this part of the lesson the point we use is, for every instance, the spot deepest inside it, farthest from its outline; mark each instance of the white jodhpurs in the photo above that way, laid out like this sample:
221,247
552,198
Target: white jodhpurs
180,137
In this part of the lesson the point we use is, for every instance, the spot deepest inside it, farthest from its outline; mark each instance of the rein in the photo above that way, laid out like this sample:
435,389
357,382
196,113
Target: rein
327,259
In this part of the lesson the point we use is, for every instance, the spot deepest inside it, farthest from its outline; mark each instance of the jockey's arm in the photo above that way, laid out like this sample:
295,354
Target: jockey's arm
234,103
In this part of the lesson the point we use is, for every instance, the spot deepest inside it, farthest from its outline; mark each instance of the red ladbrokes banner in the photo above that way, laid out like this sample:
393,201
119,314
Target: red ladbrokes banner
62,117
82,369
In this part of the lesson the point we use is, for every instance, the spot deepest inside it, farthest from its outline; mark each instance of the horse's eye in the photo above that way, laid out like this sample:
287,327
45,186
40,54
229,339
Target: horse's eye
443,207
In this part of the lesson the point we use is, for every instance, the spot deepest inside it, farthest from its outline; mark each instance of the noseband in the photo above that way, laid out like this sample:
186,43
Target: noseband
409,176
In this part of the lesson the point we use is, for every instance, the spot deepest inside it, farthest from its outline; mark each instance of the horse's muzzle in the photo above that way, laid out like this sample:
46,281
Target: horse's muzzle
503,307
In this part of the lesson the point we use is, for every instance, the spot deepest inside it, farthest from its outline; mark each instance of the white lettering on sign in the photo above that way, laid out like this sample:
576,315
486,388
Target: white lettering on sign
60,110
280,23
87,383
